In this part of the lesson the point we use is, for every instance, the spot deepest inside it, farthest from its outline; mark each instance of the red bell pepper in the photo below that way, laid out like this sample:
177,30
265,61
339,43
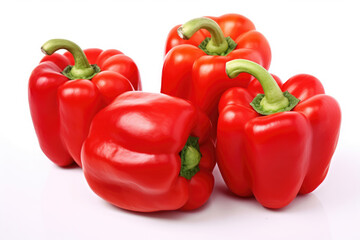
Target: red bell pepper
65,92
149,152
194,65
266,149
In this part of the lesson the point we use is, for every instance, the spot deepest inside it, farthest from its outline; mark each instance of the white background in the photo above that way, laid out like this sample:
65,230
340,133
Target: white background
41,201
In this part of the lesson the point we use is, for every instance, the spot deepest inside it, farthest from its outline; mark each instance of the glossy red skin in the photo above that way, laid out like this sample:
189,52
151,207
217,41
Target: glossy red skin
190,73
62,109
278,156
131,156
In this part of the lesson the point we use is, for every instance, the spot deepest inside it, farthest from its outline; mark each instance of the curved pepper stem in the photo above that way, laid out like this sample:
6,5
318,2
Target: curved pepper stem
216,45
190,158
82,69
274,100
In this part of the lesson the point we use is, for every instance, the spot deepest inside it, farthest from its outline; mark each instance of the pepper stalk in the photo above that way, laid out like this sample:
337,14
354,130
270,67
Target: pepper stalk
218,44
274,100
190,158
81,69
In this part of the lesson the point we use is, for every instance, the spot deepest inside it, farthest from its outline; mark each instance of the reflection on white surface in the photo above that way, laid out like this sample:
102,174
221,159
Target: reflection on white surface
49,202
68,203
56,203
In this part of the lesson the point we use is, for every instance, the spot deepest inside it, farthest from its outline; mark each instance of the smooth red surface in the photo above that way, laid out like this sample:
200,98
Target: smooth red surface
190,73
278,156
62,109
131,156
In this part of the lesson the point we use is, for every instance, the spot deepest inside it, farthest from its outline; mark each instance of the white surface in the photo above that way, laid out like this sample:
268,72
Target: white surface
41,201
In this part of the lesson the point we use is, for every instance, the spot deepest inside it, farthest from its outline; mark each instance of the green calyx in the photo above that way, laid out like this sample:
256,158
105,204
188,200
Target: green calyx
231,46
274,100
81,69
216,45
190,158
73,73
258,104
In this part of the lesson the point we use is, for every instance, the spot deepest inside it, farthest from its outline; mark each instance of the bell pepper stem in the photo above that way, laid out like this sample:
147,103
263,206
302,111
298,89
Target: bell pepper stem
190,158
217,44
82,69
274,99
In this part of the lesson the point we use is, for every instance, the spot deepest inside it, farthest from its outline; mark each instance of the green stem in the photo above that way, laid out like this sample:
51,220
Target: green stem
217,44
274,100
82,69
190,158
273,93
